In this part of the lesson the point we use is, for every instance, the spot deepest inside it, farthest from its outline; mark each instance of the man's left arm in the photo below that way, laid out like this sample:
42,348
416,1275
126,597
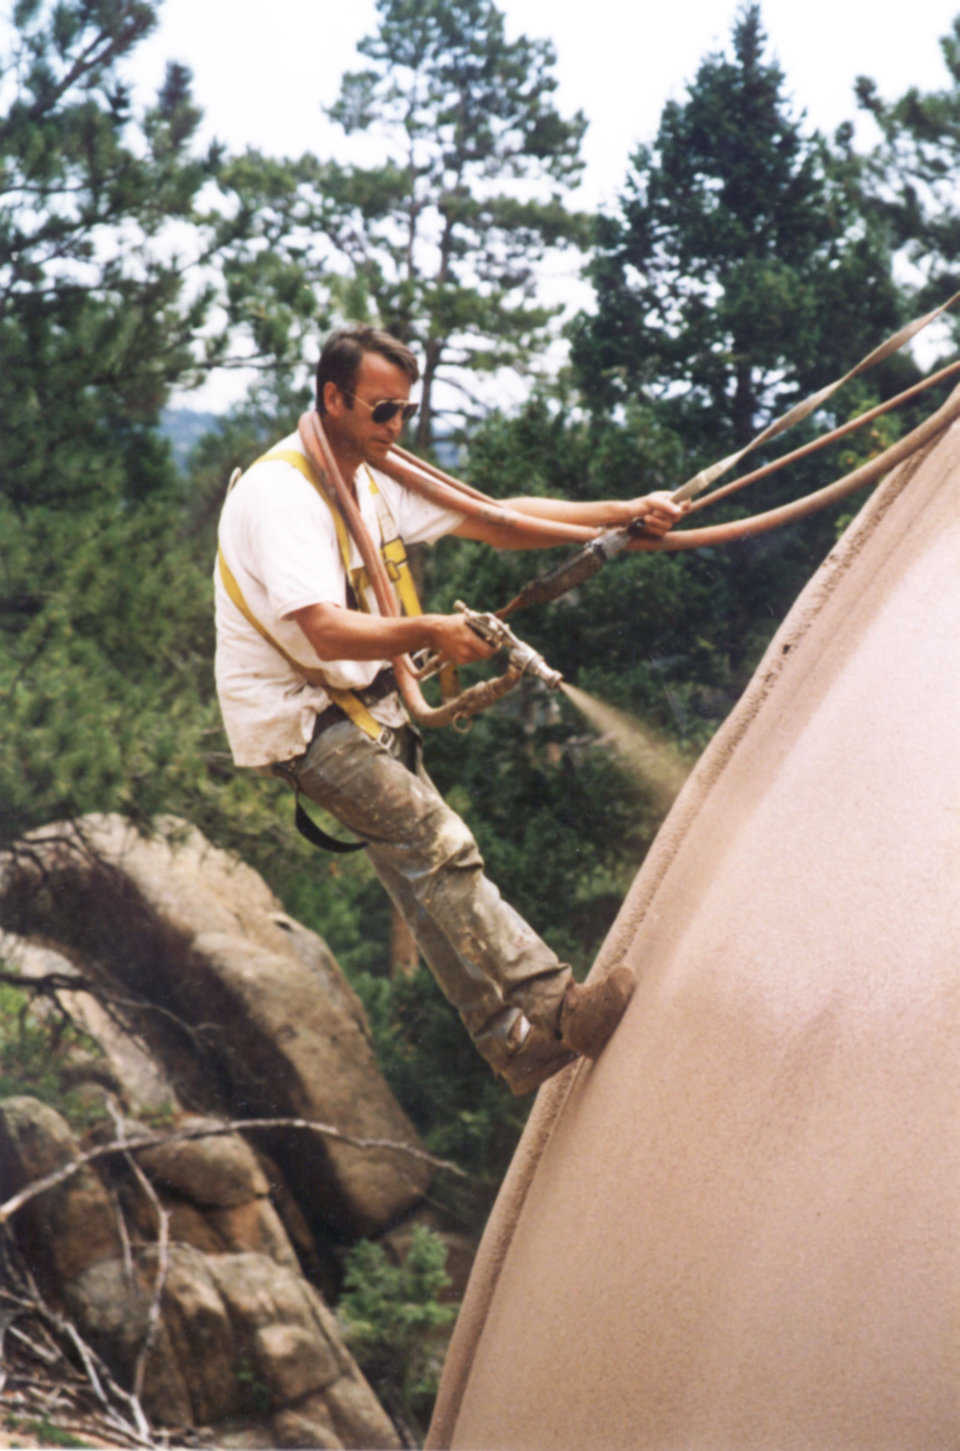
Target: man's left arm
657,510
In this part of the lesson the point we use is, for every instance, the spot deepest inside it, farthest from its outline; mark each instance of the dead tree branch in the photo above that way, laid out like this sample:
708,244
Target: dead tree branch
131,1424
163,1253
211,1131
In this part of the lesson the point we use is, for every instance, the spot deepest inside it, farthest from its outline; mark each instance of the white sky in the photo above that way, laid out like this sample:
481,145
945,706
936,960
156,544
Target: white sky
263,73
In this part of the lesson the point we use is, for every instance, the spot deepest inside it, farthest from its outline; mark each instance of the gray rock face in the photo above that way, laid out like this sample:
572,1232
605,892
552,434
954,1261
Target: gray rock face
244,1342
221,1172
211,1004
73,1226
271,1351
242,1006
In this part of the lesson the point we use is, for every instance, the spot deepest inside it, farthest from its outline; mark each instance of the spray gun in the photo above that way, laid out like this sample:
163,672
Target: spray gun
523,658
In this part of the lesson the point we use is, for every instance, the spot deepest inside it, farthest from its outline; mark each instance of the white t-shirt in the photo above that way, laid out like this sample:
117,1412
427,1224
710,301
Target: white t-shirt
280,542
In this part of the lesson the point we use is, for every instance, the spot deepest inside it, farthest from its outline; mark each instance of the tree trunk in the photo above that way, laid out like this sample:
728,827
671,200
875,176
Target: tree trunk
431,358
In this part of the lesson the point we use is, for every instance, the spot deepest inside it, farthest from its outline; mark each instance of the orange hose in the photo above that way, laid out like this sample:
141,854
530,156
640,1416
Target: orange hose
479,696
859,478
451,494
833,436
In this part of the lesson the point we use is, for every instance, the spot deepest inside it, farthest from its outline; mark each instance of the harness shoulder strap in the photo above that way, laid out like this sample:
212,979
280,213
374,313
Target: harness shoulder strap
392,548
348,702
300,462
394,553
310,673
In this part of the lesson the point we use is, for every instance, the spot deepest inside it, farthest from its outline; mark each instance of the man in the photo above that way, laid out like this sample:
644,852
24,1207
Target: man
294,626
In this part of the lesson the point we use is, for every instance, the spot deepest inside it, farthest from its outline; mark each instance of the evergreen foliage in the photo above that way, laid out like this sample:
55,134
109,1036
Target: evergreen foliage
105,628
741,271
911,177
94,327
439,242
561,826
390,1314
96,320
37,1043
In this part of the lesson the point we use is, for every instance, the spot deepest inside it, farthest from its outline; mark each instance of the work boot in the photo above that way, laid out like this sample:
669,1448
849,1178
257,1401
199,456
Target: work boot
536,1059
590,1013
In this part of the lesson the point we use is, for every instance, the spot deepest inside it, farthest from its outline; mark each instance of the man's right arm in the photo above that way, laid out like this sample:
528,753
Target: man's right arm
341,634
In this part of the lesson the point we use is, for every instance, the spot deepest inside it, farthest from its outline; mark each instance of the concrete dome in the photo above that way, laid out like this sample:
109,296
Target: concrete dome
739,1229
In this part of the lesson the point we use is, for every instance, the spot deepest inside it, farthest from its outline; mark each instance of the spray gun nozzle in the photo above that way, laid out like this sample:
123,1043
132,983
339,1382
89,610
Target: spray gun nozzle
531,663
522,656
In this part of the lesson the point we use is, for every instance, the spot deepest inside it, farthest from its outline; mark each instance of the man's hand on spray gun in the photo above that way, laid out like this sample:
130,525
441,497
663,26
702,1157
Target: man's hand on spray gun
476,635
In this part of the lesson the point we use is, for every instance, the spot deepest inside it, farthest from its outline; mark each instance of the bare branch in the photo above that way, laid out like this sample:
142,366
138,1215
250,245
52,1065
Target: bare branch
105,1388
217,1130
163,1253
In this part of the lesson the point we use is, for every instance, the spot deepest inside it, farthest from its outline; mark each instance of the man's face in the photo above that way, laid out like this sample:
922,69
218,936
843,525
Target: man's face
352,428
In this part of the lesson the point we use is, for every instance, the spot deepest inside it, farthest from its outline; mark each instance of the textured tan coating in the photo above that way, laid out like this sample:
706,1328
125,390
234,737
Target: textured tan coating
741,1228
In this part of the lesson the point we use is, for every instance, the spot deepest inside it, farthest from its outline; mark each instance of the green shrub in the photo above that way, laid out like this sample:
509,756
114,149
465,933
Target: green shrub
391,1315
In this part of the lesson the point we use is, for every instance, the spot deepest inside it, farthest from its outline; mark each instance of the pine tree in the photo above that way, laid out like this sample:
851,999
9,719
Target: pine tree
740,269
95,320
442,239
911,176
104,649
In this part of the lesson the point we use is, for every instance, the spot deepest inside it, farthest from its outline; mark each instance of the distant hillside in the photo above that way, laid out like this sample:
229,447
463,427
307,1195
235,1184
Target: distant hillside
185,427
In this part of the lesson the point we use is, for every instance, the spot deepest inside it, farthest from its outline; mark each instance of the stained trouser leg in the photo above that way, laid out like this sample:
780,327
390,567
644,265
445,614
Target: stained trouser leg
487,960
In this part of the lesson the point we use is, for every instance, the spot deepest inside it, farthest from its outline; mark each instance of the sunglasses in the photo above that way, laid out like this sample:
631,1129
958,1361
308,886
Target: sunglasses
387,408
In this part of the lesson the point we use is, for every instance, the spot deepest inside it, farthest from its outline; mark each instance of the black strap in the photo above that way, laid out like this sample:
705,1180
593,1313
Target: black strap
319,838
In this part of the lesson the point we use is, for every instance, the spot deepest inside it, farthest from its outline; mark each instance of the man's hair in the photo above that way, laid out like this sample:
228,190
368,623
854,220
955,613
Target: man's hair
343,351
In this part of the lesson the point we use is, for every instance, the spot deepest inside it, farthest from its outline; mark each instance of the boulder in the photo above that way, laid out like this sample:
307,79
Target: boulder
220,1171
72,1226
245,1009
215,1190
244,1345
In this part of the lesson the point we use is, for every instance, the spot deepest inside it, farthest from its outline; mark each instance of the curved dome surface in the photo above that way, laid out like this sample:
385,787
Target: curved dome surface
739,1229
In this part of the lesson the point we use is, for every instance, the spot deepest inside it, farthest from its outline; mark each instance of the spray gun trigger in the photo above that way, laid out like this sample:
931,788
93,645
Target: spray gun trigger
523,658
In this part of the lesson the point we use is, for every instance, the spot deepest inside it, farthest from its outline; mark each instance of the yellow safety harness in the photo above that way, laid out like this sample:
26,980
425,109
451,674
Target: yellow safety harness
394,554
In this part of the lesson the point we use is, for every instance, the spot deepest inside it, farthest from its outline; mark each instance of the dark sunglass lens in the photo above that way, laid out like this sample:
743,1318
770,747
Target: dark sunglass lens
383,412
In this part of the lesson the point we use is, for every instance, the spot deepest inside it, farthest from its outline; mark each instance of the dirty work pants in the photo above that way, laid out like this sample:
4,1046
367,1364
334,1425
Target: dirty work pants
488,962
